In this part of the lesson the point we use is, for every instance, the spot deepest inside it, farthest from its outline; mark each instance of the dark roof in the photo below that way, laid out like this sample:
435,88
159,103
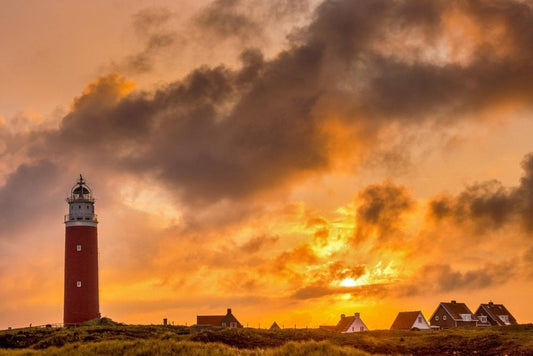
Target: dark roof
494,310
328,327
275,326
344,323
229,318
405,320
455,309
214,320
217,320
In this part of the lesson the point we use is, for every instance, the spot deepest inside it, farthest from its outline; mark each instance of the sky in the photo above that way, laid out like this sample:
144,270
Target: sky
293,160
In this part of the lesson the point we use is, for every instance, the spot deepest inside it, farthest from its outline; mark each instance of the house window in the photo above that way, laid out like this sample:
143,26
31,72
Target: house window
444,317
223,325
362,328
504,318
420,319
483,318
78,247
437,318
466,317
78,284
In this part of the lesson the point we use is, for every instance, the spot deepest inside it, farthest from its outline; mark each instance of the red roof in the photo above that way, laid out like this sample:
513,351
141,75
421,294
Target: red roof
328,327
495,310
214,320
344,323
227,320
405,320
455,309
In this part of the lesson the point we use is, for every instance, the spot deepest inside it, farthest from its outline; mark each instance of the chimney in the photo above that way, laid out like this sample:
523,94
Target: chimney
454,302
343,316
491,303
357,317
229,311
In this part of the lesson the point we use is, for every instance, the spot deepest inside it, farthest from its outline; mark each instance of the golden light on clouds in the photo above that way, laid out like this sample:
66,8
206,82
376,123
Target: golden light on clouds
323,158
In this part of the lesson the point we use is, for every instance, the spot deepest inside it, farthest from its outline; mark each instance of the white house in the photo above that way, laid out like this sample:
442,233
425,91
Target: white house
409,321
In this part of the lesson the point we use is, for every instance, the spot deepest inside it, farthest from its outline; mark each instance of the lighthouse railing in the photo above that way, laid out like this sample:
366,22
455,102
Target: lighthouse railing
80,198
92,217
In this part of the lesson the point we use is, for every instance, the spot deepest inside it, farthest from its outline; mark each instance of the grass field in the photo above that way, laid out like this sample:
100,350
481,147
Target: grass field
164,340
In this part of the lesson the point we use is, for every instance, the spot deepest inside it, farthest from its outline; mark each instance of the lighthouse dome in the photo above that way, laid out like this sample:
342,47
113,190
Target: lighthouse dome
80,191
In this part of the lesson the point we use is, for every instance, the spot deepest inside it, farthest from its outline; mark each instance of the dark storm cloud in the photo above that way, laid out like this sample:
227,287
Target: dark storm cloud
225,133
224,19
438,278
489,205
150,26
381,208
27,194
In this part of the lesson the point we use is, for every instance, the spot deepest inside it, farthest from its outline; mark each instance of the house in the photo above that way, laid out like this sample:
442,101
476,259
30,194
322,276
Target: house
347,324
274,326
494,314
452,315
221,321
412,320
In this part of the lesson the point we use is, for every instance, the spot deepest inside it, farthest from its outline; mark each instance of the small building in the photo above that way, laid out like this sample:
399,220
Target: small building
274,326
347,324
452,315
411,320
220,321
494,314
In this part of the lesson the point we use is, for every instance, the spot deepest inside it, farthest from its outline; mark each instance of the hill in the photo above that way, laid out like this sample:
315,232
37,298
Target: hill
118,339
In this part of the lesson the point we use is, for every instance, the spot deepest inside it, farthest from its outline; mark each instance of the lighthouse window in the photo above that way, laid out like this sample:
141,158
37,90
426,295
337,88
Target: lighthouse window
78,247
79,206
78,284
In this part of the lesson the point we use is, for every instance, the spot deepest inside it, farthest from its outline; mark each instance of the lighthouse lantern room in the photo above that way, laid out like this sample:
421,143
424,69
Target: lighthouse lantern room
81,257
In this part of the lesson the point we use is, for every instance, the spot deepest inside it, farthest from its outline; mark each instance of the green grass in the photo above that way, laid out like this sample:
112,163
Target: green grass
114,339
172,347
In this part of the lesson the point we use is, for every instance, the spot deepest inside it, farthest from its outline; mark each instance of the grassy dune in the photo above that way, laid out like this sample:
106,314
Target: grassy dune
163,340
172,347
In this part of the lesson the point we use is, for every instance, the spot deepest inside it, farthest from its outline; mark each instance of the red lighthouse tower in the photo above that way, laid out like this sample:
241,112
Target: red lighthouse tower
81,257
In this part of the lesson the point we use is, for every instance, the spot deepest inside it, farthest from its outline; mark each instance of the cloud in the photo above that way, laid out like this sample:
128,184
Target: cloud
369,290
224,133
380,209
231,134
442,278
151,27
222,19
257,243
29,194
490,205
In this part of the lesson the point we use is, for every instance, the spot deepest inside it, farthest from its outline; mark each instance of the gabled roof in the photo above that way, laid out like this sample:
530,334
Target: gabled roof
455,310
345,323
214,320
218,320
494,310
275,326
405,320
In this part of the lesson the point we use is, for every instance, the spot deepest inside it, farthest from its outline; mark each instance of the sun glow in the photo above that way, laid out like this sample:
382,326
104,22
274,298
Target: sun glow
348,282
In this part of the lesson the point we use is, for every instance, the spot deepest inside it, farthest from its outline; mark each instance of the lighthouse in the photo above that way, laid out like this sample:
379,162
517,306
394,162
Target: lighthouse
81,257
